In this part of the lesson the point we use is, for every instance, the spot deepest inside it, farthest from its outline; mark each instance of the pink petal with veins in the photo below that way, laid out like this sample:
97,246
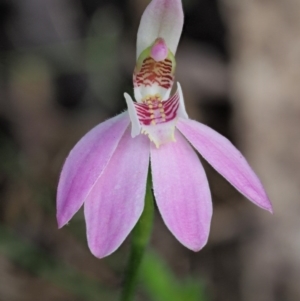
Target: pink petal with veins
116,201
226,159
181,191
85,164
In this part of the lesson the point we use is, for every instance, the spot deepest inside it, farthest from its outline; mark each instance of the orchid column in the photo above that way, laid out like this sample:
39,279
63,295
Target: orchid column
107,169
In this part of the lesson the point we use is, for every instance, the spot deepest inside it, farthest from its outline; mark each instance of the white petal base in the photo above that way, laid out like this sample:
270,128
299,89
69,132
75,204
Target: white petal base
160,133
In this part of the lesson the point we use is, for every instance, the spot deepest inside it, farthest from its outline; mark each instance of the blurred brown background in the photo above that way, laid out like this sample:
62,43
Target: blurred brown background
64,65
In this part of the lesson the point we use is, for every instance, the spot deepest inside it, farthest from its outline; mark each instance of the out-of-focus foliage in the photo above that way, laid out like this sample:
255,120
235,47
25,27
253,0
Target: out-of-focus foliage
157,279
40,264
162,285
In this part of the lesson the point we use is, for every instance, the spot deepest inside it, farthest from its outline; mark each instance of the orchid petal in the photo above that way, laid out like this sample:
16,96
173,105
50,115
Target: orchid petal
135,123
158,118
117,200
161,19
85,164
181,191
181,110
226,159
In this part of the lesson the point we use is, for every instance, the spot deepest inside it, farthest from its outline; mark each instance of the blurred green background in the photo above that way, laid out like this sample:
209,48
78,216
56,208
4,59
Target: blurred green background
64,66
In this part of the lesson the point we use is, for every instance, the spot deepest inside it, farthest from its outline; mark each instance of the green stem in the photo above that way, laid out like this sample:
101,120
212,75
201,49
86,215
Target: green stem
140,238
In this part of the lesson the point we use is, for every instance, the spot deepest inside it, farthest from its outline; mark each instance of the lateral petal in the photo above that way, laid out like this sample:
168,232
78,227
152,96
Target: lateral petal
85,164
116,201
181,109
161,19
226,159
182,192
135,124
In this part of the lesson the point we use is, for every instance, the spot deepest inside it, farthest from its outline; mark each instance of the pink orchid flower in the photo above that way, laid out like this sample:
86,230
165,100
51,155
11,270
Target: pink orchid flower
107,169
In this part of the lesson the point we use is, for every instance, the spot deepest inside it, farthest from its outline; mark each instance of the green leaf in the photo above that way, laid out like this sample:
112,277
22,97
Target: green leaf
161,285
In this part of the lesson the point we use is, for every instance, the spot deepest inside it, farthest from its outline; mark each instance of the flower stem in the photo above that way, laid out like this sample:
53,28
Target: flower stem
140,238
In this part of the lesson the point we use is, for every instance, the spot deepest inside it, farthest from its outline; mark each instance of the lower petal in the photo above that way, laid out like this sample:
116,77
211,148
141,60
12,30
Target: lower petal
85,163
226,159
117,200
181,191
